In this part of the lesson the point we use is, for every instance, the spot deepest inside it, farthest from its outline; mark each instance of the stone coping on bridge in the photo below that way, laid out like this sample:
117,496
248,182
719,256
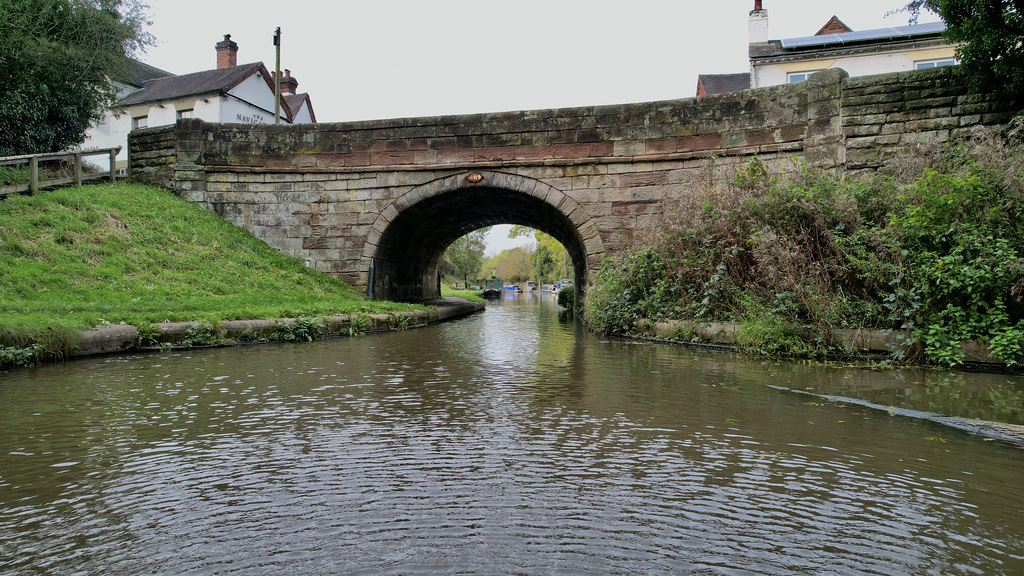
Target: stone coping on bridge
781,147
176,335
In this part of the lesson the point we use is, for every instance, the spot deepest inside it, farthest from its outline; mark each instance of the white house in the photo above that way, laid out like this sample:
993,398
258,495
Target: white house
834,45
231,93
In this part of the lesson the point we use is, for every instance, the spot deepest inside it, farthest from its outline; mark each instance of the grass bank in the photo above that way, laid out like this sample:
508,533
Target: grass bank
78,258
932,251
471,295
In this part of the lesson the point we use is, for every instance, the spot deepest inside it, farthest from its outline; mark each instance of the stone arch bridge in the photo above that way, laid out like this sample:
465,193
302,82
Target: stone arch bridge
377,202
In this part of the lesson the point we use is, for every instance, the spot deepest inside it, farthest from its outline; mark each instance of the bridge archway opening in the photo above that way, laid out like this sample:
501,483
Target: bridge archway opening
407,257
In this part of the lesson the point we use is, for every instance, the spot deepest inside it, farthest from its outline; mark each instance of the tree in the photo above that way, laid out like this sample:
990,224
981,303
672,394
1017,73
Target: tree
549,261
991,33
464,256
59,61
512,266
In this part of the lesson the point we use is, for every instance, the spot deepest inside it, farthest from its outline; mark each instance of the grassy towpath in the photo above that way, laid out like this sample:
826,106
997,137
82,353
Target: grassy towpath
78,258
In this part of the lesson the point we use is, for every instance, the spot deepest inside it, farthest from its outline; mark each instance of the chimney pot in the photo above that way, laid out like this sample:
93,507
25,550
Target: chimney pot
288,84
757,5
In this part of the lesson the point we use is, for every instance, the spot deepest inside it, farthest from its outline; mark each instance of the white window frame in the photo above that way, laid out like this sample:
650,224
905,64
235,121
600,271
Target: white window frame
793,77
934,63
186,113
140,122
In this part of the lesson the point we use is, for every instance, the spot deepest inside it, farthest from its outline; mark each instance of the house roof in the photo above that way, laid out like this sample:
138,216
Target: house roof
853,41
708,84
295,102
136,73
833,26
876,35
206,82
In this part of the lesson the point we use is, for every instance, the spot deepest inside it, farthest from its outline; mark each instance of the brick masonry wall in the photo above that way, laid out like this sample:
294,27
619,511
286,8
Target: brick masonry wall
394,192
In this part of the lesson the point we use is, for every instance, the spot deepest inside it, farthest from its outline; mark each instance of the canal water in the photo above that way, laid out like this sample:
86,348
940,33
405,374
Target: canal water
508,442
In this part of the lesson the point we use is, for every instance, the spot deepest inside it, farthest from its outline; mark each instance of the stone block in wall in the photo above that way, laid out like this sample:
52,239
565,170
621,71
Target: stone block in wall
970,120
893,128
862,119
876,108
868,157
873,141
925,137
882,97
865,130
996,118
825,155
932,124
629,148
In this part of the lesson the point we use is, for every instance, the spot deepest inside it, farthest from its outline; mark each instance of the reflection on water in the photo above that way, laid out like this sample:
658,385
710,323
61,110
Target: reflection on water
506,443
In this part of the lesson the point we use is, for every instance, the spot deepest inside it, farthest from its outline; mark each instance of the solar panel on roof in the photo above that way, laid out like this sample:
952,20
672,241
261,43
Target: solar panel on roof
864,35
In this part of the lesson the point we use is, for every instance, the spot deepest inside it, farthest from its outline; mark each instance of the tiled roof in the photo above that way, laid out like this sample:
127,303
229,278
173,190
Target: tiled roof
173,87
722,83
137,73
833,26
295,101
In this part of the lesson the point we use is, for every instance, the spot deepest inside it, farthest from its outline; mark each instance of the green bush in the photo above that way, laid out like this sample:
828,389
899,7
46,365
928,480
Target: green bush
567,297
794,256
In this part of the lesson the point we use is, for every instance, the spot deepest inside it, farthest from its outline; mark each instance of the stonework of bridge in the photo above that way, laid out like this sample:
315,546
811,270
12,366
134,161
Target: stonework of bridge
377,202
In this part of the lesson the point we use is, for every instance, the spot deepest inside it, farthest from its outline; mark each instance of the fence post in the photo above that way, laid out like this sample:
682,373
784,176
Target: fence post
33,175
78,169
113,164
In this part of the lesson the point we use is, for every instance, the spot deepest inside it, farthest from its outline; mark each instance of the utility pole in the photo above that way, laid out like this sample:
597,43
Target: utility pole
277,77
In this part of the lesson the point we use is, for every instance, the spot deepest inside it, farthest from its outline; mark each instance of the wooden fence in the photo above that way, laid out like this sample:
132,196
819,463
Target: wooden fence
33,160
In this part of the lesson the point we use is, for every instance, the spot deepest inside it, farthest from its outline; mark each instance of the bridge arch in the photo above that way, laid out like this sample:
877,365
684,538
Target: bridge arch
408,238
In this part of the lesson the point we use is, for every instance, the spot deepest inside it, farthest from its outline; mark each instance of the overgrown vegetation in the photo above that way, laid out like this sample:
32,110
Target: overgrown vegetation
78,258
567,298
939,257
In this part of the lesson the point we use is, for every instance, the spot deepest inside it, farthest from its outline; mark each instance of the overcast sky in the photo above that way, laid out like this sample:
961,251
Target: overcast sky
372,59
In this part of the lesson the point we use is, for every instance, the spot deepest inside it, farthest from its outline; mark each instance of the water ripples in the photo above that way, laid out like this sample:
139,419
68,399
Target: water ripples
363,457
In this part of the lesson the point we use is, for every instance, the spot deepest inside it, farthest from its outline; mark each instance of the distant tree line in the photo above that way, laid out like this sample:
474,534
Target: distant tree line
544,264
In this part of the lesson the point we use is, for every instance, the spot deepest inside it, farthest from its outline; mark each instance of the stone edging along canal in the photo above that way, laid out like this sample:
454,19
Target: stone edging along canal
858,342
861,343
126,337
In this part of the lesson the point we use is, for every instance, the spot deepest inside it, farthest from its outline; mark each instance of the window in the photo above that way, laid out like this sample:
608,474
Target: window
140,122
923,64
184,114
799,76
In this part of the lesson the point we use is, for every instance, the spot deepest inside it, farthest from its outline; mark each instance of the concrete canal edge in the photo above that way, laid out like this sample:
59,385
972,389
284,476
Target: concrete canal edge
856,342
127,338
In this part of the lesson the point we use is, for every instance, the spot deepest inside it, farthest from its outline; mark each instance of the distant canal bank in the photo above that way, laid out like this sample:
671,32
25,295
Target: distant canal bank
506,441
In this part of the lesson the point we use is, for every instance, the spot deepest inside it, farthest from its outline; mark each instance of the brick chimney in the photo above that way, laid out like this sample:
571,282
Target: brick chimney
227,53
288,84
758,24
